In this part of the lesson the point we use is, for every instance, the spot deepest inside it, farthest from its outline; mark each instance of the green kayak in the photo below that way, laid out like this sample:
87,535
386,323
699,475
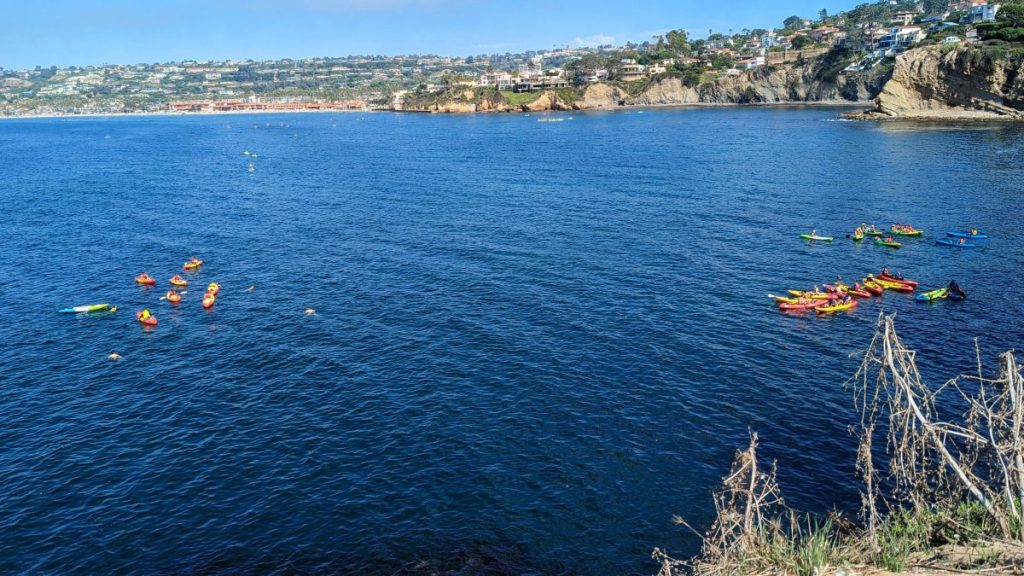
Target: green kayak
85,309
873,233
908,232
816,237
880,242
857,238
933,295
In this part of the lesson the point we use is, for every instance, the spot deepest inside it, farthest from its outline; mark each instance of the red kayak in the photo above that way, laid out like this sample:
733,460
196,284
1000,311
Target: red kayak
804,306
899,280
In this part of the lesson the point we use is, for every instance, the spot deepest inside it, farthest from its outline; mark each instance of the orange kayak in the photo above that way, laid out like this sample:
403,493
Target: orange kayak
145,279
144,317
209,300
173,297
213,288
179,281
192,265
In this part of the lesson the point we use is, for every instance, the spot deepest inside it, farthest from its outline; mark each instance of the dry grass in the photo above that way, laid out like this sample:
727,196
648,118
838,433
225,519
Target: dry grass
947,496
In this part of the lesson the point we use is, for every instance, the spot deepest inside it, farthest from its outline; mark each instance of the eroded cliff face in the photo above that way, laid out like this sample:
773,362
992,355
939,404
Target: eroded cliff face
812,82
963,83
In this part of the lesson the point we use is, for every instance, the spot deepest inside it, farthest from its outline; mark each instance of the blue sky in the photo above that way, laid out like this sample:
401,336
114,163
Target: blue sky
82,32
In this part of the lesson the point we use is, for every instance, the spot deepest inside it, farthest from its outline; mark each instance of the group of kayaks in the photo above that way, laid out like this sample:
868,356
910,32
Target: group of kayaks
840,296
962,238
958,238
174,295
887,240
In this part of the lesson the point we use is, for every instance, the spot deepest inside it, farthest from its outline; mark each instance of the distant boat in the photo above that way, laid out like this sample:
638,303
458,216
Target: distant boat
550,119
252,168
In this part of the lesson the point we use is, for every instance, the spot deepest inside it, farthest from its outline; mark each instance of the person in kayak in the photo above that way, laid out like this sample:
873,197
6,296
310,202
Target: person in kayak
974,231
144,315
955,288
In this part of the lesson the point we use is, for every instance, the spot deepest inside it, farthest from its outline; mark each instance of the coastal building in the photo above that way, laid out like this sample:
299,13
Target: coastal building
501,80
824,34
631,71
903,18
981,13
900,39
965,5
655,69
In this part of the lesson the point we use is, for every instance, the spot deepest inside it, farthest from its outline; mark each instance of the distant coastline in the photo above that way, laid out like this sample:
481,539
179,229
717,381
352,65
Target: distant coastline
161,113
624,108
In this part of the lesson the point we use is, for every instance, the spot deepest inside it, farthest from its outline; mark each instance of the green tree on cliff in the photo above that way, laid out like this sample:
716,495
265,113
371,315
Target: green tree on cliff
793,23
1011,16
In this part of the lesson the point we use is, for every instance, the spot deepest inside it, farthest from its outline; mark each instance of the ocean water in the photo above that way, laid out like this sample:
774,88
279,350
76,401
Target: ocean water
533,342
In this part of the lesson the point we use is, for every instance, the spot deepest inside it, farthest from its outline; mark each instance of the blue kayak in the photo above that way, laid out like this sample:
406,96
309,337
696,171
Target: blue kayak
955,243
959,234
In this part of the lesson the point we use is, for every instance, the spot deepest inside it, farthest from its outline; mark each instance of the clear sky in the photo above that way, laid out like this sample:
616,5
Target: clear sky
83,32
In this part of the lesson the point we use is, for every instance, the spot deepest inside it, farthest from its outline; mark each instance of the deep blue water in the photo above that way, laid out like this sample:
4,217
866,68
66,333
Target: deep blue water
543,337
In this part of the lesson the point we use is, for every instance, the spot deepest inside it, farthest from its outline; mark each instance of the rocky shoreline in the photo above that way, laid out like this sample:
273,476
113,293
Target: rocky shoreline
812,82
932,83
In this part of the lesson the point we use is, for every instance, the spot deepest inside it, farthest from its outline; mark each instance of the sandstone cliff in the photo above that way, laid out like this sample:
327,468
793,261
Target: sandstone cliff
967,82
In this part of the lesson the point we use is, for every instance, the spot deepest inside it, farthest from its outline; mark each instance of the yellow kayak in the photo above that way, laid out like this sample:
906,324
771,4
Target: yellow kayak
836,308
893,285
813,295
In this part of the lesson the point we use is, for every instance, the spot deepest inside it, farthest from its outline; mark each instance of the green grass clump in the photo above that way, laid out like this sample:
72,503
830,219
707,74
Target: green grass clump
520,98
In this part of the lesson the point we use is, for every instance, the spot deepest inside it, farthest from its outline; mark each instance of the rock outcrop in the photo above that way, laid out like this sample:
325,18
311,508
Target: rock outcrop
965,83
547,101
811,82
600,96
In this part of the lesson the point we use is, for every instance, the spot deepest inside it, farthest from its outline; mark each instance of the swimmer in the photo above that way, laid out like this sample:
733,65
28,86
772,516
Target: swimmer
114,356
250,288
310,311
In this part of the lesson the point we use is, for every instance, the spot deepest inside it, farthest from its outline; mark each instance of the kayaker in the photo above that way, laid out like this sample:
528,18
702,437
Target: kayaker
144,315
974,231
